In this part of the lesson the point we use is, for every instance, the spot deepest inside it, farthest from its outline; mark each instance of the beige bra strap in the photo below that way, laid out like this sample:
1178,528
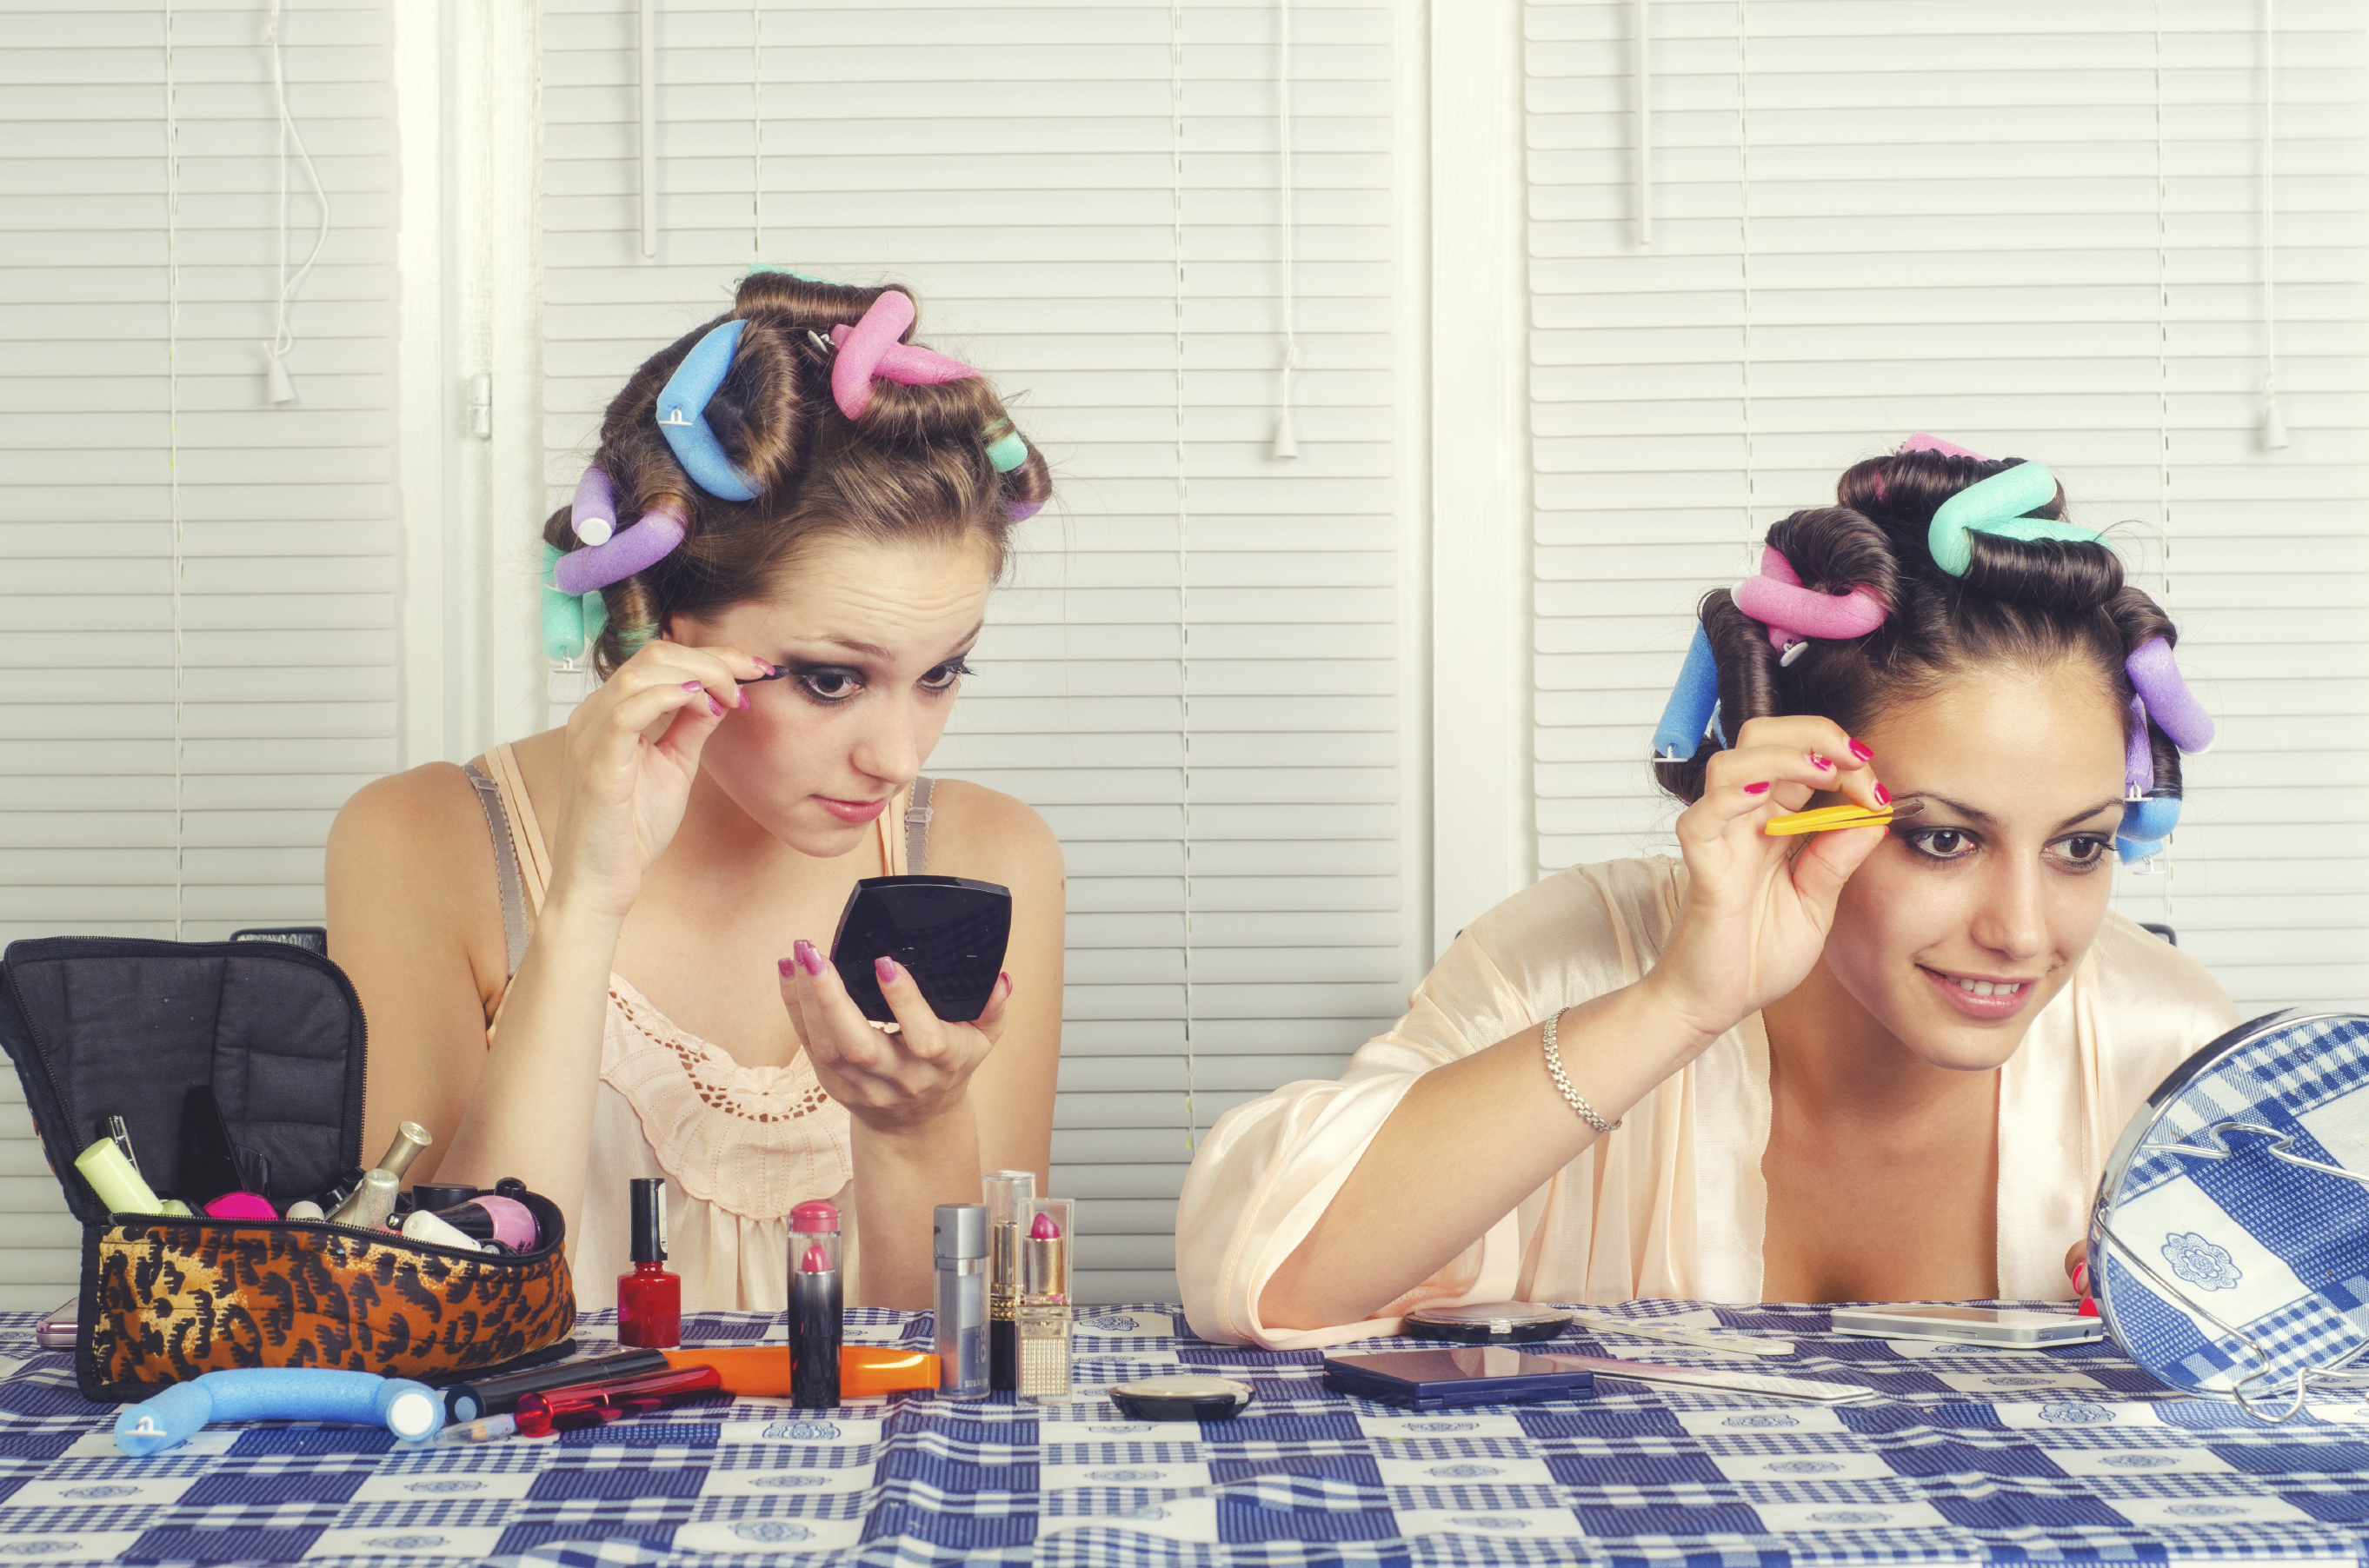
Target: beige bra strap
534,860
505,865
917,828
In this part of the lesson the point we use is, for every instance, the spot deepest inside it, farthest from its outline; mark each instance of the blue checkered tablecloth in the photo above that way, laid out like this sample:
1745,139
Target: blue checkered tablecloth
1973,1456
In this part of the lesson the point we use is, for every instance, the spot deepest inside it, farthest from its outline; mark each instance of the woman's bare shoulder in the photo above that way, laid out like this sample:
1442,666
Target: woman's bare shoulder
981,833
414,811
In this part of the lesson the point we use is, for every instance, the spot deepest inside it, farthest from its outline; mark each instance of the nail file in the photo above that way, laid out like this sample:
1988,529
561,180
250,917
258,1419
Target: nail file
1743,1344
1826,819
1813,1389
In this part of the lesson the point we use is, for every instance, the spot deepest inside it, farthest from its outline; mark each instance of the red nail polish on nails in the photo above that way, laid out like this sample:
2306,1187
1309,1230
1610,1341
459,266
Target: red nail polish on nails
1882,796
886,968
2088,1309
809,955
1756,789
1860,749
1819,763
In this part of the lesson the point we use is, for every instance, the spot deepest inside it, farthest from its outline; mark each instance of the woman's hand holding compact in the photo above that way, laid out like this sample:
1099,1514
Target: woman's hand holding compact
896,1083
1757,906
625,792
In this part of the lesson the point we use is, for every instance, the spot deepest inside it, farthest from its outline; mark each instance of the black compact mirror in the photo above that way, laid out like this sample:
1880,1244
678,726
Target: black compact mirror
948,933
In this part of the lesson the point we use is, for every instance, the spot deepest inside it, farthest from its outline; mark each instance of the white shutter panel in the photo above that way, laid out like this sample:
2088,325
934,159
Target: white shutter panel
1013,167
1871,220
287,597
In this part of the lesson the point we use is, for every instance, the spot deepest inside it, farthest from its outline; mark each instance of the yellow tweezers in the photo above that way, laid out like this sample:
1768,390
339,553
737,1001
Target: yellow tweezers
1826,819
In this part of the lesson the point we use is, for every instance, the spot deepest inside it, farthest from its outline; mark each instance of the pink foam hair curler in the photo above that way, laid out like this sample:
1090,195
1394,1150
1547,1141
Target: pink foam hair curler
1793,613
871,347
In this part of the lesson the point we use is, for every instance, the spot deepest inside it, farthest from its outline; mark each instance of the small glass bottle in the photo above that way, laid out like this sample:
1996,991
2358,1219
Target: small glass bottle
1043,1311
649,1299
1011,1204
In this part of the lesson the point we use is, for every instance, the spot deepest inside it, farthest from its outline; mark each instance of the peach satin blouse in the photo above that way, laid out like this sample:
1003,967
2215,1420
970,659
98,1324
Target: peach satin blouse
1672,1204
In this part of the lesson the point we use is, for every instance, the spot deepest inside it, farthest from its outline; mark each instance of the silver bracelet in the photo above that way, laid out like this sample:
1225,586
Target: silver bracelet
1571,1095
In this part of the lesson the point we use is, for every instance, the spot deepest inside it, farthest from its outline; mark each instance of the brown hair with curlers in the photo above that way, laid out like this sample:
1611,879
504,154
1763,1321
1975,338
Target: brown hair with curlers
2029,602
913,469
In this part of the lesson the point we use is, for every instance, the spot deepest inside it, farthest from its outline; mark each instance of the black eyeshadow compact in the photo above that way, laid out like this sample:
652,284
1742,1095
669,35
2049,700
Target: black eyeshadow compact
948,933
1488,1322
1187,1396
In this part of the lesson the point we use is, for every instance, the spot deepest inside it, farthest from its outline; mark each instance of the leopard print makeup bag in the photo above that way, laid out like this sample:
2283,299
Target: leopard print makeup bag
105,1027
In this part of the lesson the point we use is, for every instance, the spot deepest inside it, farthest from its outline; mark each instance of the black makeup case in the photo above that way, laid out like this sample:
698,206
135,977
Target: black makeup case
116,1026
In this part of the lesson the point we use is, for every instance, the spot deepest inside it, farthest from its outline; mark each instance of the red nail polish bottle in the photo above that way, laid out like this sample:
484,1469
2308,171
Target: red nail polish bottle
649,1299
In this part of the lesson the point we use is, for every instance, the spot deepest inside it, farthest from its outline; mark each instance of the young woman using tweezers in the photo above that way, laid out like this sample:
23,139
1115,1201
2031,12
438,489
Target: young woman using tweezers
1880,1063
780,557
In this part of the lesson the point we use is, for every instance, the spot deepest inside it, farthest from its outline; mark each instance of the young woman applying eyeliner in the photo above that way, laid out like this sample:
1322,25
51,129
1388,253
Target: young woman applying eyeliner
1883,1063
824,509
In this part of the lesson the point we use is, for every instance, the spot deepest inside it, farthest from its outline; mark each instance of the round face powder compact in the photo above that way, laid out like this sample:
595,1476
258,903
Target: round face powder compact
1488,1322
1185,1397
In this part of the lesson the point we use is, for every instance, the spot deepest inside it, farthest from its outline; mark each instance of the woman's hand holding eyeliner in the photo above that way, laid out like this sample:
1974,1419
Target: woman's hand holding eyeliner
1758,908
625,792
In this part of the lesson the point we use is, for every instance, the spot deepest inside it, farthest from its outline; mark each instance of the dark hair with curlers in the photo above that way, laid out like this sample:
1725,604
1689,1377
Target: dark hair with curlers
2029,602
914,468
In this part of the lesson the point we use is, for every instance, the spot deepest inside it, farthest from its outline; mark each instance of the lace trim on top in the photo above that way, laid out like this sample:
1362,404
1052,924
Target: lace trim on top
754,1141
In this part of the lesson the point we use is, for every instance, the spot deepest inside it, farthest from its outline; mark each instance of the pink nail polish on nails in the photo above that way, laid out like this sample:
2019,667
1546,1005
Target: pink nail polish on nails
809,955
715,707
763,668
886,968
1882,796
743,703
1860,749
1819,763
787,966
691,685
1755,788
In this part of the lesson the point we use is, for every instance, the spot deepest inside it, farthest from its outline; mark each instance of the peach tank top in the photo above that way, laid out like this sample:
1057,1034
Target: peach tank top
739,1147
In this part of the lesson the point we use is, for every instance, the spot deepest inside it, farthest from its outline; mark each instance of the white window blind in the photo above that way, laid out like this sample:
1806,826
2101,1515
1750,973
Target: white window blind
2032,229
1194,671
287,683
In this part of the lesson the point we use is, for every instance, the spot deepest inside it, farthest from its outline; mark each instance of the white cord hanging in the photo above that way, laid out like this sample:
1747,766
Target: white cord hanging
1286,440
173,467
1644,129
757,135
280,390
2274,425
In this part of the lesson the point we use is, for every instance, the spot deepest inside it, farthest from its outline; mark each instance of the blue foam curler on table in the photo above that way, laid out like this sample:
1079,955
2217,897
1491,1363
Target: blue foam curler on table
408,1410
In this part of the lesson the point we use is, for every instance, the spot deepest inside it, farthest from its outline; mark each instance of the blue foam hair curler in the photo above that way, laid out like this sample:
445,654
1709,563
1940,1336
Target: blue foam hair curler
408,1410
682,416
1689,712
2150,819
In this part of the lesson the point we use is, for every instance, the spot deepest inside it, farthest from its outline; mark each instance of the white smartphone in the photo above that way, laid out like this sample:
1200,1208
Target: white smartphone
1971,1325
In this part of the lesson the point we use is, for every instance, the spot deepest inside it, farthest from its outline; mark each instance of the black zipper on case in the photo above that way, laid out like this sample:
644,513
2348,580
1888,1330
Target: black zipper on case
327,1229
